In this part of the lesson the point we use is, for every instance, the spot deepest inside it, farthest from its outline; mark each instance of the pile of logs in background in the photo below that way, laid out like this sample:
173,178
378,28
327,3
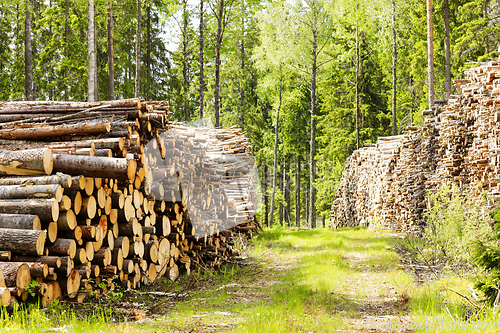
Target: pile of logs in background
387,183
96,195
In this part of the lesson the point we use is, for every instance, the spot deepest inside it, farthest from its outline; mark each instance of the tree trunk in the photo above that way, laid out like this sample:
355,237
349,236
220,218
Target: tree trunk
430,53
29,191
138,52
66,51
92,94
241,86
288,206
16,274
185,64
218,43
202,78
26,162
447,49
28,53
280,186
64,180
21,241
111,71
20,221
266,197
297,190
148,54
46,209
394,67
485,15
48,132
275,166
98,167
357,88
312,152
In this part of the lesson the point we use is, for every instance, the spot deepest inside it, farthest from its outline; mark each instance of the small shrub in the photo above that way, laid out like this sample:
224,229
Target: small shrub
454,224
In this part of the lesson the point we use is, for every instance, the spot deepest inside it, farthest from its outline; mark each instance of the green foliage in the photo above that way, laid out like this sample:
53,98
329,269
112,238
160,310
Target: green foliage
32,287
487,256
455,222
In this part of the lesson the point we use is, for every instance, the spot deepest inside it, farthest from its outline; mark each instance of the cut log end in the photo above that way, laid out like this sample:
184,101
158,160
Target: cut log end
48,161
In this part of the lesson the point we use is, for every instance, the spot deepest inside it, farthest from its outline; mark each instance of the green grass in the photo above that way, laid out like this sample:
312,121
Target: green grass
295,281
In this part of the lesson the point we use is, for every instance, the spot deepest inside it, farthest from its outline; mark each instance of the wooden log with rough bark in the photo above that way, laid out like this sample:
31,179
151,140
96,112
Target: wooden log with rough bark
16,274
50,132
46,209
29,242
20,221
26,162
28,191
92,166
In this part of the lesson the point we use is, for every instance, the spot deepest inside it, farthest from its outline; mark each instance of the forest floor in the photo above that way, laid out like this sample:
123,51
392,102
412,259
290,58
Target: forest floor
297,281
317,280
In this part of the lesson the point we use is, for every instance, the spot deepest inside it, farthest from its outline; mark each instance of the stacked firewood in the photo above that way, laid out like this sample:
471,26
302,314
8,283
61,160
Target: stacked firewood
81,211
457,145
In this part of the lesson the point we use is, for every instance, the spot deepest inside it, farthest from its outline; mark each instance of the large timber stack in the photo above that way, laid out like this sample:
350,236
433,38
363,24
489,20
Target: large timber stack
80,205
458,144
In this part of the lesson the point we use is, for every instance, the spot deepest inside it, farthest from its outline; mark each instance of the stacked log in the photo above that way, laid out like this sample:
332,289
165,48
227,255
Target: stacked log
457,145
81,209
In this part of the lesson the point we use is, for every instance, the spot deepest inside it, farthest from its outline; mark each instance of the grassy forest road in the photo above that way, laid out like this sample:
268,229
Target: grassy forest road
296,281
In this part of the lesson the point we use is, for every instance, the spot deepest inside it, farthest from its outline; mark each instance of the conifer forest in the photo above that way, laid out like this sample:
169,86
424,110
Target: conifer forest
308,81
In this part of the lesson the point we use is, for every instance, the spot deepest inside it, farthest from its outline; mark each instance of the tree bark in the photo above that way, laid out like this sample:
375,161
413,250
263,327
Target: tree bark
46,209
185,64
287,192
297,190
92,166
92,94
64,180
66,51
266,197
280,185
28,53
312,151
394,68
26,162
20,221
138,52
486,39
357,88
30,242
202,50
28,191
275,166
148,53
16,274
111,70
447,48
218,43
430,53
49,132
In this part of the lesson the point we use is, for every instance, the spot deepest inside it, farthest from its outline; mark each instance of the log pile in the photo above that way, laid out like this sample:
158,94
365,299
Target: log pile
457,144
96,195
